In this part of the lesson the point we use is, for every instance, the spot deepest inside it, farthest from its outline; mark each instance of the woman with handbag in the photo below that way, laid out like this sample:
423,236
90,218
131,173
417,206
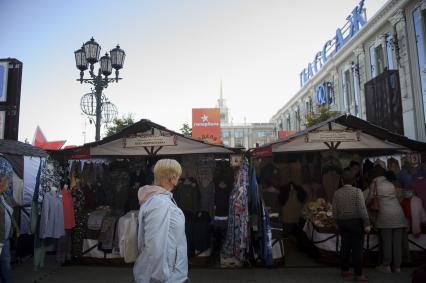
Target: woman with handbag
390,220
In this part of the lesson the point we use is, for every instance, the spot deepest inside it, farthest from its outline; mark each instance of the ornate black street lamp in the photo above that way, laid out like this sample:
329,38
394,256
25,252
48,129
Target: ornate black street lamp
87,55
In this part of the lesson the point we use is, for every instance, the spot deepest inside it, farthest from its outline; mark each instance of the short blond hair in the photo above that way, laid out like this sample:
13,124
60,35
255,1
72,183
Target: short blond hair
165,169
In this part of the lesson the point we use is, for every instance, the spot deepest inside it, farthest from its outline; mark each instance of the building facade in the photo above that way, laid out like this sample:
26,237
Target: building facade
243,135
248,135
374,69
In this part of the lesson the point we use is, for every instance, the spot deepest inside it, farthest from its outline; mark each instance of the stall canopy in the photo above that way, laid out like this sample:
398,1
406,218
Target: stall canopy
19,148
144,138
346,133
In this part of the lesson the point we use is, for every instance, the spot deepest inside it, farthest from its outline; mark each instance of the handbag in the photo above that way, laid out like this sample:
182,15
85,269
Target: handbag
374,204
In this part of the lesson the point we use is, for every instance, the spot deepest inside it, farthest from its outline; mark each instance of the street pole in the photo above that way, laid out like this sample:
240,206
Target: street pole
98,112
89,54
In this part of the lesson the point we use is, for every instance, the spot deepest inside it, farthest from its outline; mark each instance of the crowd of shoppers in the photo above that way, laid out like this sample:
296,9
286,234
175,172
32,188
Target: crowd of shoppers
392,214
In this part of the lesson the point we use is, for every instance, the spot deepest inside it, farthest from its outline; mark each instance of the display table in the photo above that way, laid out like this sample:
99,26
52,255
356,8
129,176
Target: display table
327,242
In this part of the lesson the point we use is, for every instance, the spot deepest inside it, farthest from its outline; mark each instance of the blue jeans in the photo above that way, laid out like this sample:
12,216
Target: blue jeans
5,269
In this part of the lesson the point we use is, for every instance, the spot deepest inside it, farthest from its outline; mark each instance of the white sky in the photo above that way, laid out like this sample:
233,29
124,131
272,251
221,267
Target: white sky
177,53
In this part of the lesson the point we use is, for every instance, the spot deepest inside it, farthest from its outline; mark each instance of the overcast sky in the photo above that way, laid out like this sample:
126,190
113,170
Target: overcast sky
177,52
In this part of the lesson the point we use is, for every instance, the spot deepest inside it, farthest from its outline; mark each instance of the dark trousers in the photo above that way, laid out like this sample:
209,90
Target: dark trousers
352,235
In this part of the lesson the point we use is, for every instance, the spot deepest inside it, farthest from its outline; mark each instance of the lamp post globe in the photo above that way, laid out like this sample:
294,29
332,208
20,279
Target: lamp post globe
89,54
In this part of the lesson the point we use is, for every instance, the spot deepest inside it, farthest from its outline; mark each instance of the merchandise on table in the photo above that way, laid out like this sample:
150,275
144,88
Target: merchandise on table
320,213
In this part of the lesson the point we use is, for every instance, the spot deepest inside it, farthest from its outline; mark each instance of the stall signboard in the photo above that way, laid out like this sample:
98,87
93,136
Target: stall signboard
333,136
263,152
2,123
150,139
206,125
4,69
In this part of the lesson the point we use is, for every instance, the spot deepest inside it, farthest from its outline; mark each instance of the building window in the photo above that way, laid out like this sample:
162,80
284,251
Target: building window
372,62
288,123
355,87
239,133
261,134
380,59
348,96
226,134
297,119
418,23
390,53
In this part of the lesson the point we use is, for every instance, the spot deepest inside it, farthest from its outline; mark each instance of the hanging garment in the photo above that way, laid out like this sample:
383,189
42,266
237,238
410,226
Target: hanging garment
393,165
68,204
31,175
262,229
292,199
120,188
418,185
270,197
81,222
96,218
201,232
330,182
50,177
63,247
221,199
296,173
237,237
18,189
127,230
89,197
52,216
187,197
207,197
107,233
7,170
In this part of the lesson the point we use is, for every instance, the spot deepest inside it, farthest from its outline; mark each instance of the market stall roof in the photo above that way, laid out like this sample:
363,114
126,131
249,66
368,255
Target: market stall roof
345,132
12,147
146,138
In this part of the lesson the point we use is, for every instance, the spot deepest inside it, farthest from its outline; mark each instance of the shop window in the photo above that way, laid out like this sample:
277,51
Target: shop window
420,38
288,122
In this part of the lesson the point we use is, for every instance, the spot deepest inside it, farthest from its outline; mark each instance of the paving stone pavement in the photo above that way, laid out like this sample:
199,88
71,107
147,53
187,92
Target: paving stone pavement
23,273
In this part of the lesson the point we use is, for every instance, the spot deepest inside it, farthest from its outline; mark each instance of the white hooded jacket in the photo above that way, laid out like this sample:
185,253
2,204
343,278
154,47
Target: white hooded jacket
161,238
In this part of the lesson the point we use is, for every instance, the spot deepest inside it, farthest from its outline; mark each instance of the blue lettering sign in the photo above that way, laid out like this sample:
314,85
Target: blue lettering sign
356,20
316,60
310,72
339,39
303,77
324,51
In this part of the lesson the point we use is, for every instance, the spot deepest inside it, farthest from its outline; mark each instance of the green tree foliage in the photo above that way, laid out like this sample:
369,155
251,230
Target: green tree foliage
119,124
323,114
186,130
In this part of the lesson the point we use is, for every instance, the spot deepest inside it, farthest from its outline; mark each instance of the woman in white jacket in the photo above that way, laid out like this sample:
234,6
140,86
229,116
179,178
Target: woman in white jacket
161,234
